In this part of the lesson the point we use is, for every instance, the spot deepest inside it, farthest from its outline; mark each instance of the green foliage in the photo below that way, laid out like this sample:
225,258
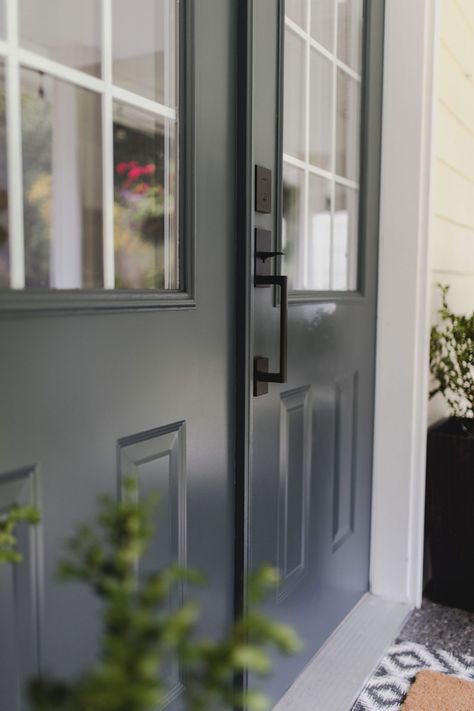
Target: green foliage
8,525
452,359
143,635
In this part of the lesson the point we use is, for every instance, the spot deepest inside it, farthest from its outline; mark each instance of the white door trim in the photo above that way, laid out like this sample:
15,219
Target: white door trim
403,301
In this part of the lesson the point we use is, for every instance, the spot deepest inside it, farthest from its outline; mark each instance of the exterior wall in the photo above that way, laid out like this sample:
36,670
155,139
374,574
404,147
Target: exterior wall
452,232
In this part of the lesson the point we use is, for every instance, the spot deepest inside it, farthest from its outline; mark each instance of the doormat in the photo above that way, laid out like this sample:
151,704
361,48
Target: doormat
433,691
389,685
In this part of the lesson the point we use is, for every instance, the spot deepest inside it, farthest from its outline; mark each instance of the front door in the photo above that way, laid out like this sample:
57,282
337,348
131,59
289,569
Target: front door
117,233
316,68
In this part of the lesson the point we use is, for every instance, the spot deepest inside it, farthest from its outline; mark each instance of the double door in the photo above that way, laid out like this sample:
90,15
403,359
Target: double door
121,259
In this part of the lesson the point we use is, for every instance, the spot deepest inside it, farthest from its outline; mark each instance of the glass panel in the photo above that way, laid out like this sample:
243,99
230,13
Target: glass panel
293,224
4,246
62,182
296,11
2,19
146,242
321,121
322,22
144,48
348,126
67,31
294,101
345,239
349,32
318,258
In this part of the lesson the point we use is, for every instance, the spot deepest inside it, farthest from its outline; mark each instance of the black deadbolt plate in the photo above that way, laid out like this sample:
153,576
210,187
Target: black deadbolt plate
263,189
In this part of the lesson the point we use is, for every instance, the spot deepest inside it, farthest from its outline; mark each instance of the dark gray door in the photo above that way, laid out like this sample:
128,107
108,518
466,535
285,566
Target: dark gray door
311,456
117,326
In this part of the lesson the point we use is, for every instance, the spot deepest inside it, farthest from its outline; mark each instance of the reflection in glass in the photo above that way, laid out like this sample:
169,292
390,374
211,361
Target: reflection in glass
146,241
293,224
4,246
294,98
347,126
345,239
2,19
296,11
67,31
321,121
62,183
318,261
349,32
144,48
322,22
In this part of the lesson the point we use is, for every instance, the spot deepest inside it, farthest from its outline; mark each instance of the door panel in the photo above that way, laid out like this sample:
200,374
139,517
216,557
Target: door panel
87,398
311,452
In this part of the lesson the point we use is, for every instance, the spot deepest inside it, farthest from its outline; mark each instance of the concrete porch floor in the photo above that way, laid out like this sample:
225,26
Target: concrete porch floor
334,678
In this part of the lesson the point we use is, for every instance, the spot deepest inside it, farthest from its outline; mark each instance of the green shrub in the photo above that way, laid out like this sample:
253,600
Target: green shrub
452,359
8,525
142,635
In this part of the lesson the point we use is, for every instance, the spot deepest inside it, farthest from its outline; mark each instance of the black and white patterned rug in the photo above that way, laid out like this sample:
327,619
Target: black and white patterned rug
388,687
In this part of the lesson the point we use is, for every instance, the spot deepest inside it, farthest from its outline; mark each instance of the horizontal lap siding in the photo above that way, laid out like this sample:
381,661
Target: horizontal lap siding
453,189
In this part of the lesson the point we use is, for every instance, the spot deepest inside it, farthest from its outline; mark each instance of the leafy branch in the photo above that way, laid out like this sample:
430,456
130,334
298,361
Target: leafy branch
452,359
9,522
142,633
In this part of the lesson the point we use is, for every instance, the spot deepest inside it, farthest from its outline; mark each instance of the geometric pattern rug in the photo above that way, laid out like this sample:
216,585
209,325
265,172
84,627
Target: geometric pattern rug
389,685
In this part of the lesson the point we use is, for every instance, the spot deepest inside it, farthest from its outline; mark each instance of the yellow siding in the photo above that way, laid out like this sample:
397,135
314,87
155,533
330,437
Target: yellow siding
453,190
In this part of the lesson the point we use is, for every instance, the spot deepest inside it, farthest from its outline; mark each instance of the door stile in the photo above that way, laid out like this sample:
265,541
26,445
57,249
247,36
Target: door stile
244,332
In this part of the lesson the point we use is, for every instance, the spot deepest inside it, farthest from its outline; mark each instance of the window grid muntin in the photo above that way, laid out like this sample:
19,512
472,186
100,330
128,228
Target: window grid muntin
306,165
15,58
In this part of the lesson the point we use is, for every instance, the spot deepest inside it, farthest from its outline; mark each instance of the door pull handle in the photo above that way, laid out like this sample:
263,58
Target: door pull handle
261,374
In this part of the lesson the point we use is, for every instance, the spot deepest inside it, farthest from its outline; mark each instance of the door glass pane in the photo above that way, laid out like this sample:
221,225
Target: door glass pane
4,246
348,126
62,183
345,242
295,96
321,121
145,194
296,11
322,159
2,19
322,22
144,48
293,223
318,261
67,31
349,32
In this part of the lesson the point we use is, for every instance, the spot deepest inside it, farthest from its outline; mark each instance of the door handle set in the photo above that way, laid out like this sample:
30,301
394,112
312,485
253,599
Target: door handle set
263,277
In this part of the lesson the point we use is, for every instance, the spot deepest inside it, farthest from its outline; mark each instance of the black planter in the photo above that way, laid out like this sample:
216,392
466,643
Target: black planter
450,512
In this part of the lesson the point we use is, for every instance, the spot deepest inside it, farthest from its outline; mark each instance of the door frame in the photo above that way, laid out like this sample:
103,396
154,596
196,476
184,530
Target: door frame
403,323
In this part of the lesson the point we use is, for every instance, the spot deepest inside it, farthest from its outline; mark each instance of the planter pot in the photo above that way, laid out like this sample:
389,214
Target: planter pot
450,512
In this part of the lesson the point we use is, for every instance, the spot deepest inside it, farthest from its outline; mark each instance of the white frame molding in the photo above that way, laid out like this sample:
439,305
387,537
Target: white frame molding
401,398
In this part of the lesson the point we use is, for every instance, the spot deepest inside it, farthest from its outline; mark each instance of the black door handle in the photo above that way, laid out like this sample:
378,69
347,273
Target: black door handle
261,375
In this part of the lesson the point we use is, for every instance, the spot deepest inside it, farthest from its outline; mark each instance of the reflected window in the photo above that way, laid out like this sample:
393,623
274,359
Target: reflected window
144,200
67,31
321,144
62,183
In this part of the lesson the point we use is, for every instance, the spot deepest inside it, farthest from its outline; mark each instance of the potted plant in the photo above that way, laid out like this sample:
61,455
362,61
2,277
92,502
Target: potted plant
450,461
